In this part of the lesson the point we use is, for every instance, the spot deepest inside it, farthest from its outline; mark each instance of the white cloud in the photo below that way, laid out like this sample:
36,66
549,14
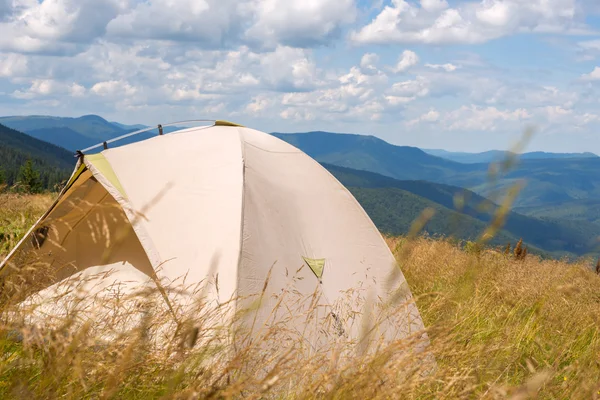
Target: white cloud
469,22
76,90
446,67
211,23
418,87
407,60
430,116
258,104
589,49
434,5
368,63
113,88
41,88
56,26
12,65
587,118
299,23
592,76
477,118
289,69
556,113
135,61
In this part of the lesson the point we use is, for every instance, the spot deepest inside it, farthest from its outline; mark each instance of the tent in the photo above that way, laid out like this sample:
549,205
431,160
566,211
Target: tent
221,201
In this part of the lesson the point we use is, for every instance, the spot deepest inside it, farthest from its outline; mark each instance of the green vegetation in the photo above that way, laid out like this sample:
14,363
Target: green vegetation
394,204
577,210
18,212
41,164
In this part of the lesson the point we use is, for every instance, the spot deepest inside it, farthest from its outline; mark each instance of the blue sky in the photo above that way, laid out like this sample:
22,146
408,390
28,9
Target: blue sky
465,75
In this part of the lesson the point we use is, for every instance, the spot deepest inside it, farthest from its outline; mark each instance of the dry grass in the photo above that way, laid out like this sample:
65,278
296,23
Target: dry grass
496,321
17,213
499,328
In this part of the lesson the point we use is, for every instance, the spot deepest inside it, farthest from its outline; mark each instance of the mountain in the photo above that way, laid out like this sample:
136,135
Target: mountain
69,133
394,205
547,180
499,155
54,163
90,126
63,137
129,127
79,133
373,154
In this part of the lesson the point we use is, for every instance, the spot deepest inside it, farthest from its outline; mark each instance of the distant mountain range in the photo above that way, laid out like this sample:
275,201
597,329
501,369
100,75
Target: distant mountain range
558,211
548,180
487,157
77,133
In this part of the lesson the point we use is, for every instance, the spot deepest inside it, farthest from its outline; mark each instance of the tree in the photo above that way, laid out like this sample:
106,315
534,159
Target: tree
29,177
2,176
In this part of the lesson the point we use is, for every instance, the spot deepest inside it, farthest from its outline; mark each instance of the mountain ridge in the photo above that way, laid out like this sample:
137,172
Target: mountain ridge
498,155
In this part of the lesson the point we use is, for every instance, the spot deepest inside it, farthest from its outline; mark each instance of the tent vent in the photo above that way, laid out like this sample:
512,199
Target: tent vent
316,265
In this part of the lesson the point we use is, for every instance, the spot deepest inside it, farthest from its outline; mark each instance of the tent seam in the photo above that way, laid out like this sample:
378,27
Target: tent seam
243,204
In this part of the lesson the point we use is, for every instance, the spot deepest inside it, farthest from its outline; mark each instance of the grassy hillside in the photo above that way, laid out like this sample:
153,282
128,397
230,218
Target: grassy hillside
394,210
393,204
54,163
500,328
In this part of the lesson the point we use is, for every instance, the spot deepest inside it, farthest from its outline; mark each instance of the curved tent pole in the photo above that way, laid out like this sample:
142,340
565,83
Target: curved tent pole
159,127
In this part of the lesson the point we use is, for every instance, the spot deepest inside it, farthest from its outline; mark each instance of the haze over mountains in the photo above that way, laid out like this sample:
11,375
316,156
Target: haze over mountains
557,212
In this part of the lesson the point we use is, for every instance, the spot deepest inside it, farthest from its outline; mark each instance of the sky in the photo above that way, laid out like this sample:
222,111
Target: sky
461,75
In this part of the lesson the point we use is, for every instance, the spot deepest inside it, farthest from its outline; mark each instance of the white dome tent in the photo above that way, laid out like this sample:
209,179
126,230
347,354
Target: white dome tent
221,200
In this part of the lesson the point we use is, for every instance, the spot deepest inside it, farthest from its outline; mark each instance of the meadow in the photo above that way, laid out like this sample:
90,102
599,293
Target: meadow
500,327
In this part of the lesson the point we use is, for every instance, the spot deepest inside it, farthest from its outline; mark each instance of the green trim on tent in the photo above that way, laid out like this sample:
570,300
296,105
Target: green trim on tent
226,123
75,176
103,166
317,265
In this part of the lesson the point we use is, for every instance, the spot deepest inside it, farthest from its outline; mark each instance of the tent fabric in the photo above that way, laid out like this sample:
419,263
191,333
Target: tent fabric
225,204
85,229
